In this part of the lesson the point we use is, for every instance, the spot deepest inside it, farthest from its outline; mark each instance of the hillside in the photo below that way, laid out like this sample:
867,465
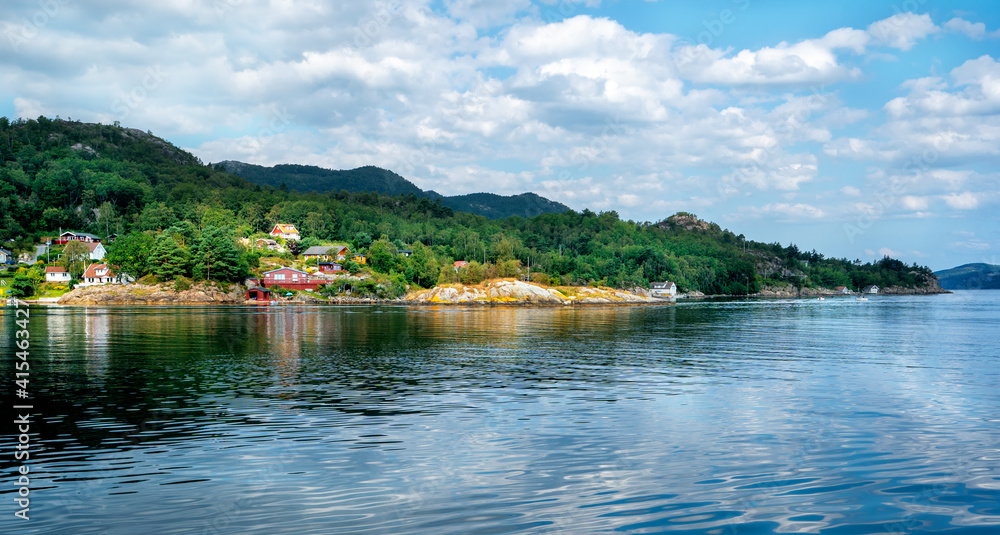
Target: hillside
970,277
308,178
180,219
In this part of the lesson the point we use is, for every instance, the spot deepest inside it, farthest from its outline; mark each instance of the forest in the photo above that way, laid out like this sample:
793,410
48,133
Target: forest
183,218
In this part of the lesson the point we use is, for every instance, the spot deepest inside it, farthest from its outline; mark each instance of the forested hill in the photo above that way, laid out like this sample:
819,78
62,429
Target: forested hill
970,277
106,179
308,178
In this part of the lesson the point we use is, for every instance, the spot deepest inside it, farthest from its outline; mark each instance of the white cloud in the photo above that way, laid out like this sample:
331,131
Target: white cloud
962,201
885,251
808,61
911,202
902,30
974,31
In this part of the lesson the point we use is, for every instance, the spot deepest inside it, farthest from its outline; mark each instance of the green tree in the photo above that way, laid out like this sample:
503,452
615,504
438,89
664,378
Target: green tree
216,257
169,259
75,257
421,266
22,287
383,256
130,254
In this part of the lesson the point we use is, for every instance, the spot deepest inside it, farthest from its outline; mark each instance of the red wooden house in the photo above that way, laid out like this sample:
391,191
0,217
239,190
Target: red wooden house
291,279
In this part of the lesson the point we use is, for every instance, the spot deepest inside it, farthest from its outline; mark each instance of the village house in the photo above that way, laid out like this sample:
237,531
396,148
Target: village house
68,236
291,279
326,253
663,289
97,250
98,274
286,231
405,252
870,289
359,259
843,289
7,257
56,274
329,267
459,264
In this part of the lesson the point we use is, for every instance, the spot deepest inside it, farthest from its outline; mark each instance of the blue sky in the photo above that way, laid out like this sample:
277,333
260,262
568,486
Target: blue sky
858,129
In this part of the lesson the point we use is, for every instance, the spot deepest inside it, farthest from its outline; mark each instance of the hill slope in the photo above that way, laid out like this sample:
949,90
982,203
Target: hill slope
308,178
970,277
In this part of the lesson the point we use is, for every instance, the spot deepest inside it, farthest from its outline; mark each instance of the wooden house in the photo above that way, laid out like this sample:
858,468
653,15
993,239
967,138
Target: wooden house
291,279
286,231
56,274
68,236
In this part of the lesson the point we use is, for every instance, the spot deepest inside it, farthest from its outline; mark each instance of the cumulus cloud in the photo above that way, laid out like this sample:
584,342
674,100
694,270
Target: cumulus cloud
902,30
808,61
975,31
962,201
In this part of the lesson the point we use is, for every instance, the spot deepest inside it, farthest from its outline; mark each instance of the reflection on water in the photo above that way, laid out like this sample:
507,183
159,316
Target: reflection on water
734,417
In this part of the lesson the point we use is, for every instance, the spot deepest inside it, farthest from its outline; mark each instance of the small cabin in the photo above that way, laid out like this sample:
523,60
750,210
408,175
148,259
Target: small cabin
870,289
258,294
843,290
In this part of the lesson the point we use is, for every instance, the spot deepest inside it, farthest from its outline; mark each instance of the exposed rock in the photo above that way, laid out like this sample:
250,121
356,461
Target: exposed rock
511,291
159,294
84,148
688,222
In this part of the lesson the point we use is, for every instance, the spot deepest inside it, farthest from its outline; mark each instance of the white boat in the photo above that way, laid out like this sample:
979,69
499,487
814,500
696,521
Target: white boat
862,298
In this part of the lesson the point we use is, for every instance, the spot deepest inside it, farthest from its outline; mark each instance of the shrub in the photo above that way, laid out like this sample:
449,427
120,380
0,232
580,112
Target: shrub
182,283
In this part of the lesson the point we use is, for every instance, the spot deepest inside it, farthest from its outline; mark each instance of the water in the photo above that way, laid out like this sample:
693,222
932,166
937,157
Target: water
802,416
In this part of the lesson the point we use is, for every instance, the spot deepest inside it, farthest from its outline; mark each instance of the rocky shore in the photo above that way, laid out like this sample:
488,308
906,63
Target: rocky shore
791,291
518,292
155,294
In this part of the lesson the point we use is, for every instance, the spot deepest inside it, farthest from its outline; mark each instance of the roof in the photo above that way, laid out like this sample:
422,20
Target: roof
92,246
328,263
664,284
92,269
84,234
266,273
4,251
318,249
55,269
285,228
460,263
267,240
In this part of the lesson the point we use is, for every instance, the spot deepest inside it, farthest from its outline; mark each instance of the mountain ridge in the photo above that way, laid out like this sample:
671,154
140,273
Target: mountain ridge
974,276
370,178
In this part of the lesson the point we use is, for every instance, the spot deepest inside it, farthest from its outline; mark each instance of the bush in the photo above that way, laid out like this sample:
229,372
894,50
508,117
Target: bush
182,283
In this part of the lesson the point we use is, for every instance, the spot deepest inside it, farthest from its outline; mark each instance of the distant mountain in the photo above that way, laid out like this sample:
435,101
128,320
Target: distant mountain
496,206
309,178
970,277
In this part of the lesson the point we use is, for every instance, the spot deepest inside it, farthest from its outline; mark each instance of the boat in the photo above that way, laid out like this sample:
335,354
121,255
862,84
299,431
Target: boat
861,298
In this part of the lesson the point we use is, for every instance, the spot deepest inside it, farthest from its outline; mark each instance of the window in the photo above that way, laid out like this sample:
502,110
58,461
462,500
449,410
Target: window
279,276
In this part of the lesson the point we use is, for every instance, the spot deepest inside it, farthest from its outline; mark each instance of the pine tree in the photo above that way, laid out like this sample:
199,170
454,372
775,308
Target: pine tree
169,259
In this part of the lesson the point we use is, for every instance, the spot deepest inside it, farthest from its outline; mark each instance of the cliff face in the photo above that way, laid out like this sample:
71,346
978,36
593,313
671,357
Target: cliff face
160,294
513,292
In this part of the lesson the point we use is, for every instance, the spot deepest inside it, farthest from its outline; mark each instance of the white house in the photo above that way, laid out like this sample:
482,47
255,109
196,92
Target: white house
870,289
663,289
98,274
286,231
97,250
56,274
6,257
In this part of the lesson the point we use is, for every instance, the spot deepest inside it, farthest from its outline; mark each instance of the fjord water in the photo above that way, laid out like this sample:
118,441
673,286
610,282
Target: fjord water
804,416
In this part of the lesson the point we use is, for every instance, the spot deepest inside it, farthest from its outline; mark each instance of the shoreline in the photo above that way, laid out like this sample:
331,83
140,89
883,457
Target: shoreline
500,292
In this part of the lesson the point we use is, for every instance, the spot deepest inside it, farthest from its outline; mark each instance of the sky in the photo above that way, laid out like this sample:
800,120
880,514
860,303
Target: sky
856,128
